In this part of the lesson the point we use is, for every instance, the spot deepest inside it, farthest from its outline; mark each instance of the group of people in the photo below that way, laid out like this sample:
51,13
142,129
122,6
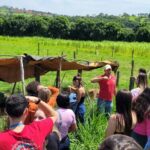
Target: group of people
42,119
132,107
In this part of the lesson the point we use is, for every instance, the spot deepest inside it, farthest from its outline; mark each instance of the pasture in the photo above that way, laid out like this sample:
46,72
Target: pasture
89,136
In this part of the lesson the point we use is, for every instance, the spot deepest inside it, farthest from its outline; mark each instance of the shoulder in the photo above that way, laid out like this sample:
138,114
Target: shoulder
112,119
70,111
42,123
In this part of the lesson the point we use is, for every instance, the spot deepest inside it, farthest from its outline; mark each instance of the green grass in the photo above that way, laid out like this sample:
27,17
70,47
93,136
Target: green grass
89,136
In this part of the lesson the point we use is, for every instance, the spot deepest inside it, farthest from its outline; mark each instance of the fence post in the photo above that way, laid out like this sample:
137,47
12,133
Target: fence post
38,49
22,74
74,55
113,49
117,80
132,78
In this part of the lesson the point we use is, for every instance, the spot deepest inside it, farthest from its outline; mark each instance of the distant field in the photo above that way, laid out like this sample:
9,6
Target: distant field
86,50
93,132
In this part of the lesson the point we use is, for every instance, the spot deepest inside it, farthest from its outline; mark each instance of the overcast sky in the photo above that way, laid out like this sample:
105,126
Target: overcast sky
82,7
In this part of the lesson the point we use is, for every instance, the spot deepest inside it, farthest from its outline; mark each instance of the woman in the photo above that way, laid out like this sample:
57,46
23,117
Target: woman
141,132
142,83
125,119
66,120
52,140
80,94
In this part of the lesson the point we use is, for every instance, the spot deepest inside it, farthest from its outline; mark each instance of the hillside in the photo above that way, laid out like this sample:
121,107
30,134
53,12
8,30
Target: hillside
4,10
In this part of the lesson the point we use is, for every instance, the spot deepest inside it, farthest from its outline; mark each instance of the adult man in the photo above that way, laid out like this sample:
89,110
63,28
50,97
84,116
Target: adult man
20,136
107,83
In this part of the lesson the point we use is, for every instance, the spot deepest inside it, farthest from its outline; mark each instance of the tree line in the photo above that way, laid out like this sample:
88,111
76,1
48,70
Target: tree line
97,28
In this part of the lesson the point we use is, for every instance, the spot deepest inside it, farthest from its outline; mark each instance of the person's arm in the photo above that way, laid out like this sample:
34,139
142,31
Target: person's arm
55,92
48,110
97,79
111,128
72,88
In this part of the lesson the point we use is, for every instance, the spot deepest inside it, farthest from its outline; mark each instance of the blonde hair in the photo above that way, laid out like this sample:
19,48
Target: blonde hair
44,94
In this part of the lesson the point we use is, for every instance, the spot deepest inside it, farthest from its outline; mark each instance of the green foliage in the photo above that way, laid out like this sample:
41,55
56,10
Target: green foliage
92,133
88,136
98,28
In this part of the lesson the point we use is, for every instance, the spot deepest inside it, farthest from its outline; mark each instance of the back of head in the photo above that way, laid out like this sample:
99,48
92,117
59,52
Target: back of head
15,105
119,142
123,101
31,88
44,94
77,78
123,107
142,70
142,80
63,100
142,105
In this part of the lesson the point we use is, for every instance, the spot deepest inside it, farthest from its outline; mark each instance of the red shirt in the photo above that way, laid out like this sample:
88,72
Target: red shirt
31,137
107,88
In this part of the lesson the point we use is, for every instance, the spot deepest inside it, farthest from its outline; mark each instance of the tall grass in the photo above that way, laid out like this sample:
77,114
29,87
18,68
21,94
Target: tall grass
88,136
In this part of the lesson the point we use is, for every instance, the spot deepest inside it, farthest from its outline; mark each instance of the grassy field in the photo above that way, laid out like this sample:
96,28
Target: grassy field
89,136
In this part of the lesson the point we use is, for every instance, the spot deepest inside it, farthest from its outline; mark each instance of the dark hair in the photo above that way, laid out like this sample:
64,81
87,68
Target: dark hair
15,105
31,88
142,80
142,70
142,105
119,142
63,100
78,77
123,106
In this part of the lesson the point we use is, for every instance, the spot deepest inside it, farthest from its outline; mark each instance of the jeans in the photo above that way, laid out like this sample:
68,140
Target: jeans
73,106
147,146
80,113
104,106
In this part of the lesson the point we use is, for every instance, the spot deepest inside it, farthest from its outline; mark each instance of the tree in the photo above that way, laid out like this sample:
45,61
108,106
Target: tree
59,27
82,30
99,31
37,26
143,34
111,30
15,25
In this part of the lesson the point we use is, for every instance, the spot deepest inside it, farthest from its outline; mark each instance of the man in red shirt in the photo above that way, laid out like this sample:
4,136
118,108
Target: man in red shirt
20,136
107,83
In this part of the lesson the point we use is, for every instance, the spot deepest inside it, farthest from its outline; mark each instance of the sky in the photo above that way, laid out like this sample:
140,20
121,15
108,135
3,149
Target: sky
82,7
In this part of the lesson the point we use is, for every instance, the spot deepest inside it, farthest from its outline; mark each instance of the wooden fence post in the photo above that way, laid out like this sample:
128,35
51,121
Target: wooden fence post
74,55
132,78
22,75
38,49
117,80
37,73
113,50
